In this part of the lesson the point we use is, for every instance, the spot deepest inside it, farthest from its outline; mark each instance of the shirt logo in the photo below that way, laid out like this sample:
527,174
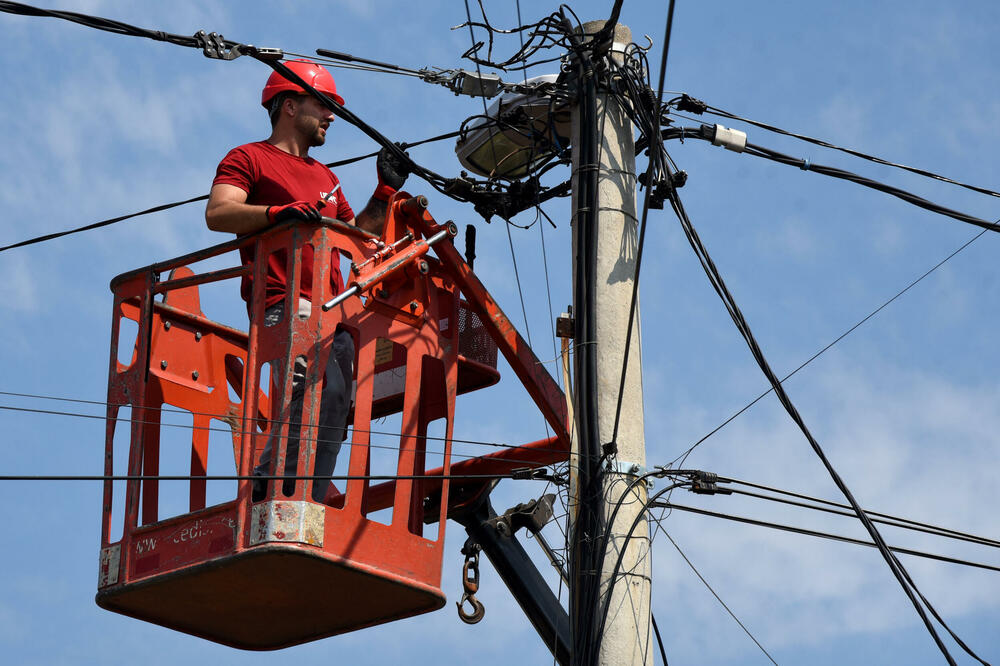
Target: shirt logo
328,198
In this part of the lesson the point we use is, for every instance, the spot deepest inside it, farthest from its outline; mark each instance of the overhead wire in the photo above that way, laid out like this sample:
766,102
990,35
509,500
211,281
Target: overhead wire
856,153
909,524
679,459
249,477
215,46
826,535
895,566
719,599
541,227
96,417
708,133
640,516
892,522
204,197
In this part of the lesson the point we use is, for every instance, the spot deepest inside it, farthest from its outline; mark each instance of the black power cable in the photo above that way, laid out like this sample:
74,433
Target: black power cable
204,197
585,553
251,477
691,104
905,581
642,229
103,223
888,519
656,164
659,639
834,172
708,133
215,46
825,535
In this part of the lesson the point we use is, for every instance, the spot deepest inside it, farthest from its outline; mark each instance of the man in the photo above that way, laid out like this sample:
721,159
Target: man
268,182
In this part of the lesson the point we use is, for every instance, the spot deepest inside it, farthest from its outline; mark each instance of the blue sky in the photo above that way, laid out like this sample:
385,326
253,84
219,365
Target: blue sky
97,125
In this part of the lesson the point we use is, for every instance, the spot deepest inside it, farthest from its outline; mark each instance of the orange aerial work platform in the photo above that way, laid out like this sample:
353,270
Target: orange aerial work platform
285,569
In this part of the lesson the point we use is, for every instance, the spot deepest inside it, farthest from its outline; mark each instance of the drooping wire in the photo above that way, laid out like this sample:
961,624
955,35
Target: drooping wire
898,570
544,35
204,197
98,225
680,459
659,639
718,598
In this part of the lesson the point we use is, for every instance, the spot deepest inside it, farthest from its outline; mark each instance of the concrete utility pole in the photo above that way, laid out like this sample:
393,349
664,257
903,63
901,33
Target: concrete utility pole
625,636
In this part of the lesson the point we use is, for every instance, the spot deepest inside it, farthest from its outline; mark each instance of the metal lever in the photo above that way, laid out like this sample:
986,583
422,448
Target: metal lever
417,250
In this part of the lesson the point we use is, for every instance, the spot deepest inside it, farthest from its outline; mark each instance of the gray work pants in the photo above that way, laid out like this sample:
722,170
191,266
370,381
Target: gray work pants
335,402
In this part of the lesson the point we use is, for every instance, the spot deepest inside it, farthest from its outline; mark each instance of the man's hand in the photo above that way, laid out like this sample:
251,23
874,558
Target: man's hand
392,171
298,210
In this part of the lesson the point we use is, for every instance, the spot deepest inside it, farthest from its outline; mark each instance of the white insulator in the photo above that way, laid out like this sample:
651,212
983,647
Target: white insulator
730,139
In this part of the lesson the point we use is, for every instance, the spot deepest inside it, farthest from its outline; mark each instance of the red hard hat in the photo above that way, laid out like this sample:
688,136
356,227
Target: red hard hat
313,74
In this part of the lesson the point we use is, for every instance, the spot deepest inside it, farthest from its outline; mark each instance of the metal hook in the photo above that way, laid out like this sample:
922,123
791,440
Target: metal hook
470,582
478,611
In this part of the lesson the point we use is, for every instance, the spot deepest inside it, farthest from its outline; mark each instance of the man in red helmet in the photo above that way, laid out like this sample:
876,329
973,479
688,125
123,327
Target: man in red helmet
268,182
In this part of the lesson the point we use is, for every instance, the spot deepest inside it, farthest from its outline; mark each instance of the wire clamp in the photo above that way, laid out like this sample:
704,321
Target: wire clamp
626,468
691,104
213,45
705,483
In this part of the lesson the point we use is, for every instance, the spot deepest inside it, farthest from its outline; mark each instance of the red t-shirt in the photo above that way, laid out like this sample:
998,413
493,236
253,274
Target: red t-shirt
272,177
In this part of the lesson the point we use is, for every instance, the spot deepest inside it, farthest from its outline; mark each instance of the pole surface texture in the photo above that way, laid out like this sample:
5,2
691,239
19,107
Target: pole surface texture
626,635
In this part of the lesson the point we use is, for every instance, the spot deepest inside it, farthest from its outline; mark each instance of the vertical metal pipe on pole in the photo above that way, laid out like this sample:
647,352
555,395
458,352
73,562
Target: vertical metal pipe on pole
605,230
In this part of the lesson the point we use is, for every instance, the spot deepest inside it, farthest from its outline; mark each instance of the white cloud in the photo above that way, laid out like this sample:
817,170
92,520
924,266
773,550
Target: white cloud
911,444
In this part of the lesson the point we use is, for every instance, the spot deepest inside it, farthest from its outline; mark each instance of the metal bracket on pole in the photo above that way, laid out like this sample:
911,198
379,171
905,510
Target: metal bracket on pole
626,468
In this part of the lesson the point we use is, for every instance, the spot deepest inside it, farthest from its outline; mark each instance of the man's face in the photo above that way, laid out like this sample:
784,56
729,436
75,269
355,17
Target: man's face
312,119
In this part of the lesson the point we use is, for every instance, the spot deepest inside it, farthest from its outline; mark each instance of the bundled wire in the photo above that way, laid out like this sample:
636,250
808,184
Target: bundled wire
687,103
709,133
215,46
543,36
897,568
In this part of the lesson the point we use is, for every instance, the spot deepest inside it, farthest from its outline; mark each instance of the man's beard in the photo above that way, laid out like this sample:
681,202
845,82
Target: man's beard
318,138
